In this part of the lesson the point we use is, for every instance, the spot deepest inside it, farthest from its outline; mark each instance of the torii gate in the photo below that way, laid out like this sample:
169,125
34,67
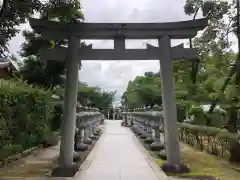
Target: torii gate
119,32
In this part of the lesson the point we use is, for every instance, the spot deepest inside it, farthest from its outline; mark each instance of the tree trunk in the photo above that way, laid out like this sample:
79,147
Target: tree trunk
195,62
180,114
234,152
208,120
232,119
3,9
232,128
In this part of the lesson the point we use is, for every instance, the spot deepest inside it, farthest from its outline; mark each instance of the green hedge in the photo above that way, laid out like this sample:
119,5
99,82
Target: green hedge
56,119
25,115
211,139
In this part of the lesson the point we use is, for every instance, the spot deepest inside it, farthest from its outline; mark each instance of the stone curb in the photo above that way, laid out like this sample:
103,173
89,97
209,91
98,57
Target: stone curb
156,169
12,159
87,162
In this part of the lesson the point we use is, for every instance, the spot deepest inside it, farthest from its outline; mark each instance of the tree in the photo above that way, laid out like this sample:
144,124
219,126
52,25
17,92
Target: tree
234,71
12,14
214,39
212,73
52,72
95,97
16,60
35,72
143,91
214,11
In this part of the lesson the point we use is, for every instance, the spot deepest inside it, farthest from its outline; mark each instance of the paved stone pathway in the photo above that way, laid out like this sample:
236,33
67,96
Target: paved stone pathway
118,155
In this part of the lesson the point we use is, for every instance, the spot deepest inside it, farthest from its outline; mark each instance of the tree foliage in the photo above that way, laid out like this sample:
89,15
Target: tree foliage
143,91
146,90
12,14
95,97
40,71
215,37
16,12
25,114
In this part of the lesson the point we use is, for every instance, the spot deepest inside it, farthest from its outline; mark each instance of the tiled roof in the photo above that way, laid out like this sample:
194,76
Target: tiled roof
5,62
2,59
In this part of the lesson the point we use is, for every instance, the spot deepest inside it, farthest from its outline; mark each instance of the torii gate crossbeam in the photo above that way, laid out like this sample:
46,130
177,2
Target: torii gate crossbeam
175,30
60,53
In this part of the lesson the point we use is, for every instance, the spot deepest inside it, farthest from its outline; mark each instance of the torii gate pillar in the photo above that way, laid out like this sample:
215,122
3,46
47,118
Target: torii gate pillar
70,102
169,105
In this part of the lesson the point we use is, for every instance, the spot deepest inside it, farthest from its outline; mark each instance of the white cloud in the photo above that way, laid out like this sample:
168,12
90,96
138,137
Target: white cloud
114,75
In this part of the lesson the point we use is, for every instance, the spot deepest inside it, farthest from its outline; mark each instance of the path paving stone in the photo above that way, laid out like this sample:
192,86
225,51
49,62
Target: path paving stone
117,156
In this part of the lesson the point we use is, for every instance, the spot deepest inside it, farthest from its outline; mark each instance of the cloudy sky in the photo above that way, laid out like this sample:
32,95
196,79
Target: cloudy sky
114,75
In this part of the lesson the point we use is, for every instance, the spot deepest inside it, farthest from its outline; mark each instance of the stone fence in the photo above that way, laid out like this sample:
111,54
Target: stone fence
148,126
87,127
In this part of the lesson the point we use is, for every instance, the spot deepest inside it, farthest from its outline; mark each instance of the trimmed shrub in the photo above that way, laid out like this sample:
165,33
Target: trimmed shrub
57,114
211,139
163,154
181,113
25,114
51,140
8,150
198,115
214,140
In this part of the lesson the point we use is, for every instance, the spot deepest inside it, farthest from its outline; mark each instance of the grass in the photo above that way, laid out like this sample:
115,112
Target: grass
203,164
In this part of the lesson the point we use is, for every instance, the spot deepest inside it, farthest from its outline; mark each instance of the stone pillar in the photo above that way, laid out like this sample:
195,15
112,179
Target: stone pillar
144,129
82,134
130,121
134,125
94,134
97,131
157,134
125,116
156,145
169,104
145,124
80,146
139,127
150,138
86,139
93,127
90,129
70,102
98,124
